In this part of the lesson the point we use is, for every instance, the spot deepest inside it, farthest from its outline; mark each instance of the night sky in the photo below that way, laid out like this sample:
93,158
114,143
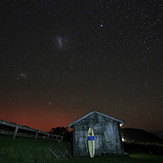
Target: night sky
61,59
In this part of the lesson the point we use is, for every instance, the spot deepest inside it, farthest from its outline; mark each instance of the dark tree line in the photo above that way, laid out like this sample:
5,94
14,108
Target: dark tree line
59,131
62,131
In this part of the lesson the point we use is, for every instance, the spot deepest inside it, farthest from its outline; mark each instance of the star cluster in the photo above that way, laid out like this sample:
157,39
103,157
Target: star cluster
65,58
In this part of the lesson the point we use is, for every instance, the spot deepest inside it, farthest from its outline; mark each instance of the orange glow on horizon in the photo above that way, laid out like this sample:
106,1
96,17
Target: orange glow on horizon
41,119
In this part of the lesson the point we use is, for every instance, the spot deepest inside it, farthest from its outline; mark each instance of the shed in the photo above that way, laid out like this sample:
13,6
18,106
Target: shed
107,134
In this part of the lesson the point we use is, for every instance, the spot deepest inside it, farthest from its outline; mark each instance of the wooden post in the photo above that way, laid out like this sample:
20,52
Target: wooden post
61,138
16,130
48,136
36,135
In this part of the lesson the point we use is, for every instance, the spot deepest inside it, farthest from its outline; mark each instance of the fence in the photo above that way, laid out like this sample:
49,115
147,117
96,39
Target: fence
15,130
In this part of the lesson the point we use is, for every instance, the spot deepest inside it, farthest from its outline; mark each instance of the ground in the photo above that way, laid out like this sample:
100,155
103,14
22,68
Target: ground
24,150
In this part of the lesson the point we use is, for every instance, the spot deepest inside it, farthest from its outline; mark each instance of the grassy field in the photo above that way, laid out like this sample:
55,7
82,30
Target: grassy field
23,150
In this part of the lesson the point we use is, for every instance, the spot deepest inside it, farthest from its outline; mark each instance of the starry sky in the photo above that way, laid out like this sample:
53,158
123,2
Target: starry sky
61,59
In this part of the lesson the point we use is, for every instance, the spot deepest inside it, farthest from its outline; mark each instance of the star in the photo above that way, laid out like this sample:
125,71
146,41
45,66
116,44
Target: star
72,58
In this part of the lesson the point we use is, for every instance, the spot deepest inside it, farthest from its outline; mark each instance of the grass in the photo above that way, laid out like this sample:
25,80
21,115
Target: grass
23,150
134,158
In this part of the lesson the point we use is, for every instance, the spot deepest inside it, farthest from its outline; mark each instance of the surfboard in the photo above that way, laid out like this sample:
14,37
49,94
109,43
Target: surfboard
91,142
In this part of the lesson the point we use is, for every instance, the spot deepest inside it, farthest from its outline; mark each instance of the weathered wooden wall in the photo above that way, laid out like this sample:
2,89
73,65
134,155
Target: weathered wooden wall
107,136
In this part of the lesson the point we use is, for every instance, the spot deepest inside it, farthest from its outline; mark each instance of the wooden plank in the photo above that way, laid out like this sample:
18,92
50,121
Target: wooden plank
5,132
53,153
8,123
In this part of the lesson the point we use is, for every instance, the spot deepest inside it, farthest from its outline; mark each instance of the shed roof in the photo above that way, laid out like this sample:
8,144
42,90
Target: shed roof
99,113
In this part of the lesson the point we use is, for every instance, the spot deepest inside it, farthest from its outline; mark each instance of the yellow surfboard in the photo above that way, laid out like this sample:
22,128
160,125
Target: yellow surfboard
91,142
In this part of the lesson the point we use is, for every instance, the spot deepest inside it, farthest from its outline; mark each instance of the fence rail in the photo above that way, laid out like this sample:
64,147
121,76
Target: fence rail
15,130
